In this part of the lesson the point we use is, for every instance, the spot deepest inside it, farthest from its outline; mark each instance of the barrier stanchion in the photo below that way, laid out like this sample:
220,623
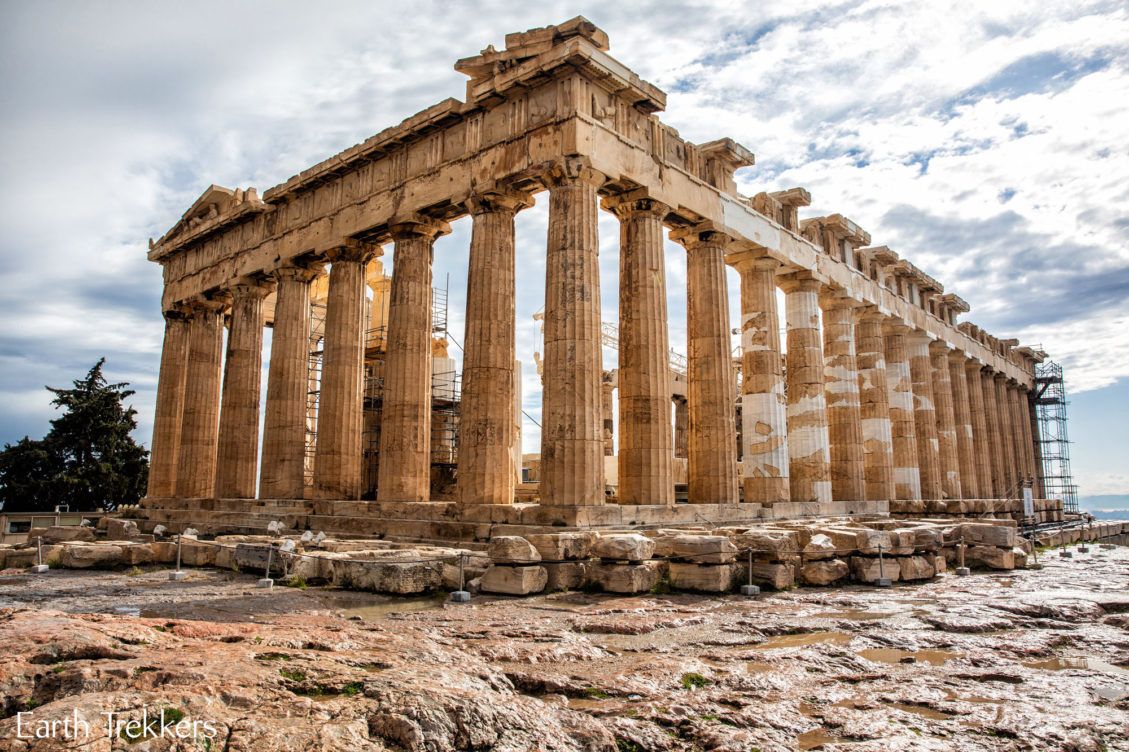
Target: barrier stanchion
267,582
39,567
462,595
749,589
962,569
177,575
883,580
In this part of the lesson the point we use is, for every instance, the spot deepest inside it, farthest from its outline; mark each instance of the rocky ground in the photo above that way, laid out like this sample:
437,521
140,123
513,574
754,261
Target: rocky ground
1028,660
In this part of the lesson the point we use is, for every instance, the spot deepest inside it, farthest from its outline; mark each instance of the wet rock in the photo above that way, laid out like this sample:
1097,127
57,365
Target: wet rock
914,568
701,549
514,580
512,549
776,575
824,572
627,578
972,622
706,578
623,547
563,546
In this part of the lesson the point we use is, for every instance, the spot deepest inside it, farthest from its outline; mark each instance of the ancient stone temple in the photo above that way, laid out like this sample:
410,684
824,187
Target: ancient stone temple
878,401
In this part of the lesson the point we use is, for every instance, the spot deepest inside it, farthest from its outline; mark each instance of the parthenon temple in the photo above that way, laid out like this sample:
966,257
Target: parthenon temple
880,400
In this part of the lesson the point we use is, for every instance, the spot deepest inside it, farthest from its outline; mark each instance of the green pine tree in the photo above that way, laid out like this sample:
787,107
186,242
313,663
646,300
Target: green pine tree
88,460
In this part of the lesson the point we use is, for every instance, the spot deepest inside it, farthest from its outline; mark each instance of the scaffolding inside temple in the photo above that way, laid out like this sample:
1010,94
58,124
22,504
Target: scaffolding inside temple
1053,443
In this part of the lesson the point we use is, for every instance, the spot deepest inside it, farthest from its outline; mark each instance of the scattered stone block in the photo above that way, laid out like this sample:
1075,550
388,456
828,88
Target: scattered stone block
975,533
568,575
820,546
700,549
119,529
706,578
990,557
514,580
902,541
91,556
928,539
1020,557
776,575
400,578
65,533
512,549
824,572
915,568
563,546
769,545
624,547
939,563
869,569
627,578
137,553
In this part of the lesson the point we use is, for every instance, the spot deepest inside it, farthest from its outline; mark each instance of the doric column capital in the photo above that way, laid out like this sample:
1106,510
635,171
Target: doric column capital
251,287
972,365
939,347
418,226
871,312
896,326
836,297
217,302
498,199
354,250
699,235
800,281
750,262
997,376
958,357
302,272
635,203
177,312
570,171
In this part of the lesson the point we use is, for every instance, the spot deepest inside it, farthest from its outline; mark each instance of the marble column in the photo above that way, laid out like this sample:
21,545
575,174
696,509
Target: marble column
337,457
841,391
572,436
607,411
1007,437
282,473
681,428
962,414
948,452
899,381
486,419
995,436
981,440
925,416
165,447
1036,448
809,466
199,432
709,379
237,463
1023,472
1028,443
646,441
764,412
874,406
405,419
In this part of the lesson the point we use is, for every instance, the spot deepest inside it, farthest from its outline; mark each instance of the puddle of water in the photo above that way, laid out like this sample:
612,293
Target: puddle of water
815,739
127,610
756,667
921,710
1090,664
975,699
374,607
891,655
855,614
808,638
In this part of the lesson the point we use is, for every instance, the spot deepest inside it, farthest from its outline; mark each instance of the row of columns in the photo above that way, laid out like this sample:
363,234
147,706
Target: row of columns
868,409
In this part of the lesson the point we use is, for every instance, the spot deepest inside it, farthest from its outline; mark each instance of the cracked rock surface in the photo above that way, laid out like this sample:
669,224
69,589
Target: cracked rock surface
1030,660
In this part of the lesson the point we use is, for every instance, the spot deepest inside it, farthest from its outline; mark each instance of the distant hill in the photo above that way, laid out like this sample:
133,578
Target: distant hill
1106,507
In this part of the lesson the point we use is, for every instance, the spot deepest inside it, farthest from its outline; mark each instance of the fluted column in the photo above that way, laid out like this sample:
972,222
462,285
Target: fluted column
337,457
681,428
646,441
925,416
962,414
995,435
237,463
899,381
1007,437
874,406
981,440
1018,433
607,411
486,421
841,391
1036,448
809,465
709,377
282,474
948,453
165,446
199,433
405,418
764,412
572,437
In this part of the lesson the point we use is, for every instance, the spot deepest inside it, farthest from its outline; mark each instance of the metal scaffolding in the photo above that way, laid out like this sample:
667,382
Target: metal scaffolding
1053,443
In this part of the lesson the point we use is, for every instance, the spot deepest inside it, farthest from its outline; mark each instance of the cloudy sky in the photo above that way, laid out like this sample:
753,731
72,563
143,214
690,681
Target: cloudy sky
984,141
